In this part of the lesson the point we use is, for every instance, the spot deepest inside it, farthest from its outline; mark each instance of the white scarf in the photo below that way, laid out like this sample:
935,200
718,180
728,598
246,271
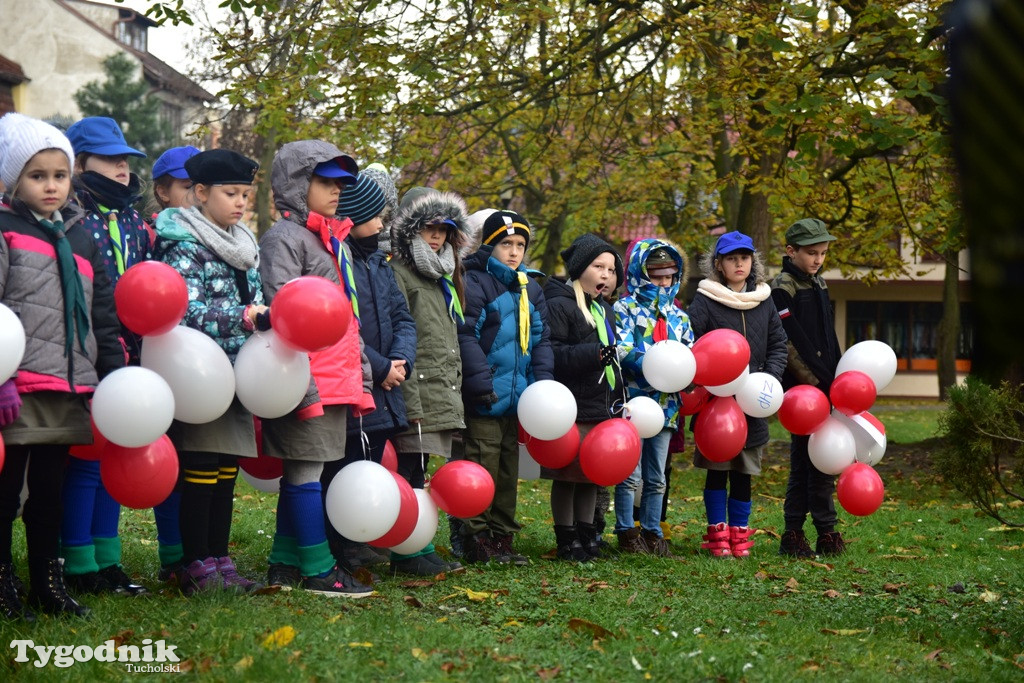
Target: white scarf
741,301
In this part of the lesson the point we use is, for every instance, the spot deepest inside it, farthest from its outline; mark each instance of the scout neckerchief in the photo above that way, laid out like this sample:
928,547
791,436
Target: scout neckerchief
524,312
604,333
451,299
118,239
76,315
332,234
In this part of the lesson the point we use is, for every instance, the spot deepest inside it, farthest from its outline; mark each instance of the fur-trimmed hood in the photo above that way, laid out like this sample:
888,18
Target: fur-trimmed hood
706,265
425,207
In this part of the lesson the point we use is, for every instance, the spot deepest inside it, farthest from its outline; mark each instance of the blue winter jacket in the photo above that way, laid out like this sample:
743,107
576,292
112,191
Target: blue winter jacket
492,359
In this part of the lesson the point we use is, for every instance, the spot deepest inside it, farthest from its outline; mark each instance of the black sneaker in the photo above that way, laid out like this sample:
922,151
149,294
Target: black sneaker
794,544
830,543
444,564
120,582
416,566
91,583
360,555
338,584
170,573
284,575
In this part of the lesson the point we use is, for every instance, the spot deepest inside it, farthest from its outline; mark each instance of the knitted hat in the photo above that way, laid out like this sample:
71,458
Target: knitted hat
21,138
503,223
380,175
221,167
362,202
582,252
661,262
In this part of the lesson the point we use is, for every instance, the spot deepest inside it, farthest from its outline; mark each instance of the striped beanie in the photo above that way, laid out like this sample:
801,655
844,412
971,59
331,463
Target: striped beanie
500,224
361,202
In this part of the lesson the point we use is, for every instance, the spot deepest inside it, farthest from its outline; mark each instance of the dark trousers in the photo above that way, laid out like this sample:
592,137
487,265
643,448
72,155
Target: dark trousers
494,443
809,490
42,512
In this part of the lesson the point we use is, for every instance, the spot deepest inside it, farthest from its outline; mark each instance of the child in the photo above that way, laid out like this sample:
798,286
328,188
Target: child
307,179
52,276
646,315
108,190
217,256
735,296
583,342
426,234
801,297
171,187
505,347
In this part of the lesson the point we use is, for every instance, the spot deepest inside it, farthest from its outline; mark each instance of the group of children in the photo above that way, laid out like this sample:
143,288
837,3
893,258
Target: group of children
449,328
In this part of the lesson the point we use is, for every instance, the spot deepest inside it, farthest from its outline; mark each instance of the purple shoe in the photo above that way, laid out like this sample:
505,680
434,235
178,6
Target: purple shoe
232,579
201,575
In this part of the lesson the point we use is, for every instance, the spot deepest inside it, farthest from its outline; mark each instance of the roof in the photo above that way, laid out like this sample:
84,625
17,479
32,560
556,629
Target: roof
11,72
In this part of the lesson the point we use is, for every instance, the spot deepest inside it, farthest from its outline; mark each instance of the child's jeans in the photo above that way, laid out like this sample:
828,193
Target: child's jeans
651,471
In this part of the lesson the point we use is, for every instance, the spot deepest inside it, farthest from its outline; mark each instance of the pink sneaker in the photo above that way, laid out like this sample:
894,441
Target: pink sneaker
740,540
716,540
200,575
232,580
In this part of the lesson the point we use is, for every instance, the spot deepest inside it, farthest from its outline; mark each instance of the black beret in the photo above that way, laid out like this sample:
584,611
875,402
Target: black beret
221,167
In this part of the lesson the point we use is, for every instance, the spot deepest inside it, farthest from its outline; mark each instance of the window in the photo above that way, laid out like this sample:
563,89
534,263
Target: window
911,329
131,34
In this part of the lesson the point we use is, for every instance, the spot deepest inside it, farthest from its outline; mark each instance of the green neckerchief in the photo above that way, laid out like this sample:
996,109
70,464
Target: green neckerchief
76,315
116,238
602,334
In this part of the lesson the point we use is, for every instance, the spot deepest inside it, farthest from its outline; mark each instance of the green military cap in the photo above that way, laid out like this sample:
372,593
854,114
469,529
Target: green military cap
807,231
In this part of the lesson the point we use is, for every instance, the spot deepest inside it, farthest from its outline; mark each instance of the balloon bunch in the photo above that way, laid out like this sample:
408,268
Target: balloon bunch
848,440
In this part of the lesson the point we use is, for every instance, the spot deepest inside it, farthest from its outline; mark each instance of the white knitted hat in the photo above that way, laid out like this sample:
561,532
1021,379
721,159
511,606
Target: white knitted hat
21,138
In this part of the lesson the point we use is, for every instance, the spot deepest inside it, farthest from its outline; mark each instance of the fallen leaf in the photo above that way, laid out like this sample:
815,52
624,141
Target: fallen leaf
595,630
811,666
270,590
334,619
933,655
362,644
893,588
475,596
632,598
832,593
122,637
411,601
243,663
548,674
989,596
843,631
279,638
636,664
513,622
860,570
957,587
417,583
597,585
419,654
820,565
792,584
760,575
448,667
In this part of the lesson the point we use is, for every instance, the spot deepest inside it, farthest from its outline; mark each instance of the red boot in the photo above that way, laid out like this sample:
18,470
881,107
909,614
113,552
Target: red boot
716,540
741,540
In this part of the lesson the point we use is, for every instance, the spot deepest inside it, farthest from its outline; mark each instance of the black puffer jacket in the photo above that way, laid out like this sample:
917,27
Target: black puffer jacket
576,349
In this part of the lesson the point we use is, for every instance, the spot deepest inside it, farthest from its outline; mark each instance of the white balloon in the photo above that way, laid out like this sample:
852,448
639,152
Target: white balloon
831,447
761,395
197,370
646,415
730,388
875,359
133,407
669,366
426,526
547,410
363,501
270,377
870,442
12,343
265,485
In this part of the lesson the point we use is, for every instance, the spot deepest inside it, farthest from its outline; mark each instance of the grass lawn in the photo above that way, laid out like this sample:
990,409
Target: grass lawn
927,590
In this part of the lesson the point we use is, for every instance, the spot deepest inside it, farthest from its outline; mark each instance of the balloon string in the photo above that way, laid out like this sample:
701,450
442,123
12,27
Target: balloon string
364,439
423,456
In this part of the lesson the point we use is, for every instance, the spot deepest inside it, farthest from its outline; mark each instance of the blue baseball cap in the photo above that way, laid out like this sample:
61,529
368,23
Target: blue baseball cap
100,135
344,168
172,162
733,241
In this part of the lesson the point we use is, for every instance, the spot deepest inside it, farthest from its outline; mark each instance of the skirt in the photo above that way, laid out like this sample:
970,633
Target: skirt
571,472
232,433
433,443
50,417
747,462
318,439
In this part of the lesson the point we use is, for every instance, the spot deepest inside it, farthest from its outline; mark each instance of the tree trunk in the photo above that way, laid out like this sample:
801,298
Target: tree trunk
949,326
264,216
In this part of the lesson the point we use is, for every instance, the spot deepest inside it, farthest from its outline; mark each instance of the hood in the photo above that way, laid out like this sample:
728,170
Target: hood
290,174
72,213
638,284
167,227
706,265
425,208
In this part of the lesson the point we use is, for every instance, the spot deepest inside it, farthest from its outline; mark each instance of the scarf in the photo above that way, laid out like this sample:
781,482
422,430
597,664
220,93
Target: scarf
741,301
236,246
76,315
332,234
604,333
109,192
524,312
439,266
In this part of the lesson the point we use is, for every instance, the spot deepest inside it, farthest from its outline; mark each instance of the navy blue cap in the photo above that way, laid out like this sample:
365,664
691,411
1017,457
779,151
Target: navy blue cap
733,241
100,135
338,168
221,167
172,162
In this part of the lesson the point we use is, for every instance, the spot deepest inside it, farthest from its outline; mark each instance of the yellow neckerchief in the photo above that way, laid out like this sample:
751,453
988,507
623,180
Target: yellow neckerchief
524,312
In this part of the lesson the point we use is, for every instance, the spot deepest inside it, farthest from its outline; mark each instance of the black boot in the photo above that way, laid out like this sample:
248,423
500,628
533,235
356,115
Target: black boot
569,547
11,606
48,593
587,534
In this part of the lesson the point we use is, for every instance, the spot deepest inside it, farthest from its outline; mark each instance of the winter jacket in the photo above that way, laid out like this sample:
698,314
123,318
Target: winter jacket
388,332
807,316
433,390
642,316
492,358
576,349
297,245
30,286
752,314
216,302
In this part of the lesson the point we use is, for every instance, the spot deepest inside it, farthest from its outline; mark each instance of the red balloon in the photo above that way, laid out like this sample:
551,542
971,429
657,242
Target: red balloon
556,453
610,451
310,313
721,356
408,515
721,429
695,400
853,392
389,459
94,450
804,409
462,488
522,435
860,489
262,466
140,477
151,298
